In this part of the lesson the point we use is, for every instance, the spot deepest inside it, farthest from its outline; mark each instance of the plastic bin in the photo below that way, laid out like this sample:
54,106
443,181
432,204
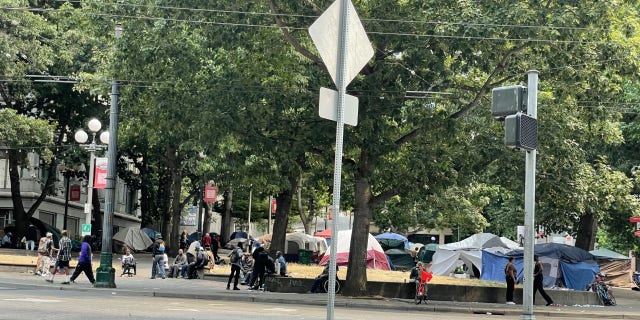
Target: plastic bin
304,256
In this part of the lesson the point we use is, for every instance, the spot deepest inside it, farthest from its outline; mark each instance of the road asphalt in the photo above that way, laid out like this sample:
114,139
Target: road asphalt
140,285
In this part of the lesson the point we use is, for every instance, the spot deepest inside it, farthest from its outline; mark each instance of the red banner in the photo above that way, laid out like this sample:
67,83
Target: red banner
634,219
274,206
100,174
74,193
210,194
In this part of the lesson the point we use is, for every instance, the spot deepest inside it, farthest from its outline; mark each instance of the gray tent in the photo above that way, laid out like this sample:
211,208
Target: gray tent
133,238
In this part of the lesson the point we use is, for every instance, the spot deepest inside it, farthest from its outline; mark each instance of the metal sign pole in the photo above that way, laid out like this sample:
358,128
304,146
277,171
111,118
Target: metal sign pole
529,203
337,170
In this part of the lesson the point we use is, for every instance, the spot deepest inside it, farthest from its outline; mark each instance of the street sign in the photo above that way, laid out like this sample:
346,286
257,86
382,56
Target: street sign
328,107
86,229
210,194
325,33
634,219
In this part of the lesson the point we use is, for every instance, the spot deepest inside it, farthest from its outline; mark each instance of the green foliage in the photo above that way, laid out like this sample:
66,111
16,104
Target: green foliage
21,133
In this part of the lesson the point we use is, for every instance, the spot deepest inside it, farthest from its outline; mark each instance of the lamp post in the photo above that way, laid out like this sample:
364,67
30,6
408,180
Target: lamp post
82,137
105,275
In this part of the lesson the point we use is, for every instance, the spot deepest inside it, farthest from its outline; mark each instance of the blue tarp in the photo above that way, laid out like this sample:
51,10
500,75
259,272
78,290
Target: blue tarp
578,275
564,265
151,233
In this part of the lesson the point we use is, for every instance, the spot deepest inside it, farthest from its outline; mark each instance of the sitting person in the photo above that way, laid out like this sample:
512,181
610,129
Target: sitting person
128,263
7,241
280,264
197,263
321,278
178,268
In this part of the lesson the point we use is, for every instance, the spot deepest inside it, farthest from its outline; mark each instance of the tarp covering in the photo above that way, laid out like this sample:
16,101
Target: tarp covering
299,240
151,233
608,254
133,238
480,241
616,267
375,258
389,240
401,259
578,275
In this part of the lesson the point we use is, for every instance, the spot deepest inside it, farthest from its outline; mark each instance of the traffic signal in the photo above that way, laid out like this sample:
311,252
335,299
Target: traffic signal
508,101
521,131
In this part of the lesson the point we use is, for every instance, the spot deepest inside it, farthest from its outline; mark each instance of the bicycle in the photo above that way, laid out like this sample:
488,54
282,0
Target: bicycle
603,290
422,288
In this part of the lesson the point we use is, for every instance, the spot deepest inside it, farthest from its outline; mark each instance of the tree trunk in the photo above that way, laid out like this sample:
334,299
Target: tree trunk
171,239
225,230
587,229
206,221
283,208
97,218
304,217
167,190
145,194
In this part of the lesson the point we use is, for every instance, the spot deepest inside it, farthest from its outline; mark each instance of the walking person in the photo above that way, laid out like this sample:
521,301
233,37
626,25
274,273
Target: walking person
84,261
44,254
510,277
537,282
64,256
236,260
158,257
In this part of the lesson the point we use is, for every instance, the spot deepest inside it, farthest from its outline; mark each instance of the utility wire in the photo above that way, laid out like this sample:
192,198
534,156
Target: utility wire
401,34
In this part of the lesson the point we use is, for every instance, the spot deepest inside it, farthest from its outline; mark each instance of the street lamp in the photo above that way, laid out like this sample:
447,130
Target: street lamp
82,137
105,275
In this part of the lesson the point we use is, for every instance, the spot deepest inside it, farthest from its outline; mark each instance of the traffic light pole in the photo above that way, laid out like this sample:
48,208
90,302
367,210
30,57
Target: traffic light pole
529,203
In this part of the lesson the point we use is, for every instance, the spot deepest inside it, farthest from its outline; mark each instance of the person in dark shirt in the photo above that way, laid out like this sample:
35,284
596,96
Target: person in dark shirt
510,277
537,282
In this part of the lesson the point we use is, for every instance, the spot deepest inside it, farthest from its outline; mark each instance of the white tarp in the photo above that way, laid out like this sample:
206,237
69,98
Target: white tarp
468,252
133,238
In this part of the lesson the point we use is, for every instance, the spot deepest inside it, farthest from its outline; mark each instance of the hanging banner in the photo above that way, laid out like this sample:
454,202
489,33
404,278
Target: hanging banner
100,174
74,192
210,194
273,205
189,218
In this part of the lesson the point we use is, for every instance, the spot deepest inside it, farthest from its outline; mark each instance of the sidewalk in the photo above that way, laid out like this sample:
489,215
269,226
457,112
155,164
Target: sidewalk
141,285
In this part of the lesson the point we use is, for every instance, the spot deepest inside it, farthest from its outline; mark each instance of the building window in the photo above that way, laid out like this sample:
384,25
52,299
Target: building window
73,227
4,174
48,218
6,218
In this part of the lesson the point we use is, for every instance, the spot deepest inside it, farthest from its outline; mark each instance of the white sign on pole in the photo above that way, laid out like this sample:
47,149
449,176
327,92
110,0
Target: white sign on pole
325,33
328,107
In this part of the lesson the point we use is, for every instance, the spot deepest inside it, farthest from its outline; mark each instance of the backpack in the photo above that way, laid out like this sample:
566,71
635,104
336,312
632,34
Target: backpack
233,257
161,246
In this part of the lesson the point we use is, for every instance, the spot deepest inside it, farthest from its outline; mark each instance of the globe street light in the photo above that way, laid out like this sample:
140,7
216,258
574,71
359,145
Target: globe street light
82,137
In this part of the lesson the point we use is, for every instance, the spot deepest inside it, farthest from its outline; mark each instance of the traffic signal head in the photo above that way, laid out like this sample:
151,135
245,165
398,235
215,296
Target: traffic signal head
521,132
506,101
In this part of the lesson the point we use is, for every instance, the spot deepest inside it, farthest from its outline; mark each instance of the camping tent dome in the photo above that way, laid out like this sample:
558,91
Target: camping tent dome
376,259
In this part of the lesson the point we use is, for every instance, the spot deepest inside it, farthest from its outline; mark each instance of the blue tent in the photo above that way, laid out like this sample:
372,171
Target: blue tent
151,233
390,240
564,265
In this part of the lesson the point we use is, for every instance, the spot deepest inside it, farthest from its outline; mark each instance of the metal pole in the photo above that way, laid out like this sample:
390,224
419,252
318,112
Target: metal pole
105,275
249,219
66,200
269,210
337,168
529,203
88,207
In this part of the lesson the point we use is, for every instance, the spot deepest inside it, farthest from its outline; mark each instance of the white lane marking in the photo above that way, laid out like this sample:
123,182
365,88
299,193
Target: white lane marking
182,309
33,300
281,309
215,304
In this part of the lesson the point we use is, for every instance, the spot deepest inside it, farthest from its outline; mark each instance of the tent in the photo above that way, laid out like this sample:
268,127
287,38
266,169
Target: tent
299,240
133,238
376,259
326,233
468,252
401,259
390,240
425,253
615,266
563,265
151,233
234,243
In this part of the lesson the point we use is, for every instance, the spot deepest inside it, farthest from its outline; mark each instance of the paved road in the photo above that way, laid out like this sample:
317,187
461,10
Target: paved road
198,290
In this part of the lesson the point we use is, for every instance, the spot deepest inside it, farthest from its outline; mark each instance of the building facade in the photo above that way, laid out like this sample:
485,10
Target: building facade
51,210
